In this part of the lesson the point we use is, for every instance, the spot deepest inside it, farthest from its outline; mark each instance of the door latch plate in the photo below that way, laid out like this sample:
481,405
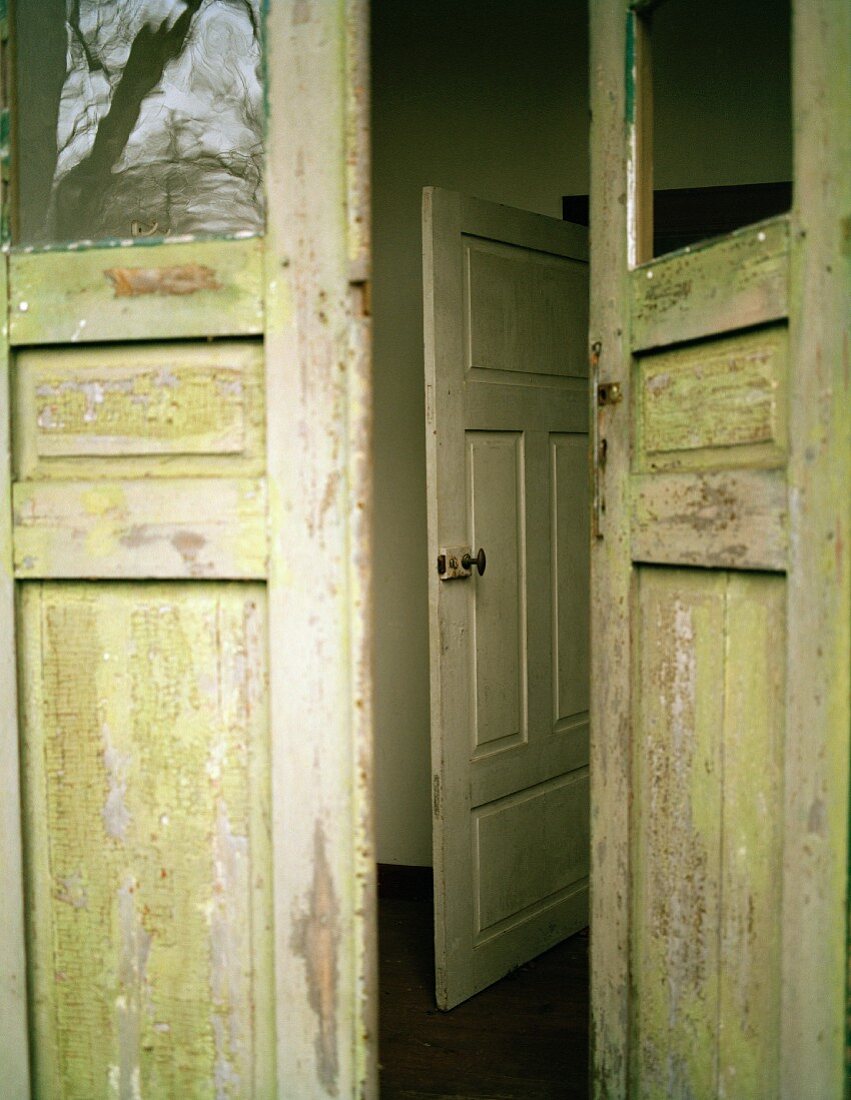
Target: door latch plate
449,567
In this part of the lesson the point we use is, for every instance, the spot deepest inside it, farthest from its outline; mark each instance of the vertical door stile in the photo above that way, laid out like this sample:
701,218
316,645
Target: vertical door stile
14,1046
360,520
318,443
815,886
610,584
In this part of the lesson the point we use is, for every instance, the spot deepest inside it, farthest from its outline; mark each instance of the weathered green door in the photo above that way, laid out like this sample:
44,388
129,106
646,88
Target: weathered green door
720,622
189,925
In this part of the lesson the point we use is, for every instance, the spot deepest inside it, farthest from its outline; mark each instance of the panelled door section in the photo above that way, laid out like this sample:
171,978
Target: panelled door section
708,534
140,552
506,301
139,537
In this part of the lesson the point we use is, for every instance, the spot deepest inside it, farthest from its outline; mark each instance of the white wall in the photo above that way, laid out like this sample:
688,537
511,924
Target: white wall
489,97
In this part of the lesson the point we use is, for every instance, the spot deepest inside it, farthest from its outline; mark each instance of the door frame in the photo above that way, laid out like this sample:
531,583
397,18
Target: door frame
317,351
818,655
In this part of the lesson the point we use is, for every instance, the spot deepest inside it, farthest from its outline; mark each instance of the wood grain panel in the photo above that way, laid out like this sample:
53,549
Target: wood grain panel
135,291
525,310
498,642
729,519
676,881
148,863
145,528
751,838
737,281
719,403
162,409
707,841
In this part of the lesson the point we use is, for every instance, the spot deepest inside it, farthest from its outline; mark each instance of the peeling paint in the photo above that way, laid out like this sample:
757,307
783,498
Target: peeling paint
142,912
316,933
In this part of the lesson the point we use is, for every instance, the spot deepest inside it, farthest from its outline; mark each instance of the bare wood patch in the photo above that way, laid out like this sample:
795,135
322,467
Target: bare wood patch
130,282
316,936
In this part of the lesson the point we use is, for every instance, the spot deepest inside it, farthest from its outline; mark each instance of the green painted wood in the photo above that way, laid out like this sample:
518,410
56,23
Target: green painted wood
146,803
505,318
751,836
14,1051
136,291
141,528
676,833
150,410
183,497
819,640
707,405
733,282
725,480
707,834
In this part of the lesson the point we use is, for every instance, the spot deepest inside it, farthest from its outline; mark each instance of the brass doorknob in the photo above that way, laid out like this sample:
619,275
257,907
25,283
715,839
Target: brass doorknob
480,561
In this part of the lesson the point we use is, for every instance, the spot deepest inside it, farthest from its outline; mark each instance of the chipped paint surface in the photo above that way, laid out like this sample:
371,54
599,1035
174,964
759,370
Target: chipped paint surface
161,410
143,527
723,394
158,409
737,280
719,518
707,834
145,726
180,279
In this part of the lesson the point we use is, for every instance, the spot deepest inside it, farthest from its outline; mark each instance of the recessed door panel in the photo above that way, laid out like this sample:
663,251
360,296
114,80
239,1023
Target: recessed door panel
715,403
526,310
707,832
166,410
526,861
496,465
148,870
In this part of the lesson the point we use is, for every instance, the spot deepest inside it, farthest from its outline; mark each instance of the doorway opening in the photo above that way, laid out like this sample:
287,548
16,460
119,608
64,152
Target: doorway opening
491,100
488,100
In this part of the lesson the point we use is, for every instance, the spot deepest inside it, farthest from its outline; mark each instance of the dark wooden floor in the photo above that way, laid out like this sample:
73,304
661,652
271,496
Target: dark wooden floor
526,1038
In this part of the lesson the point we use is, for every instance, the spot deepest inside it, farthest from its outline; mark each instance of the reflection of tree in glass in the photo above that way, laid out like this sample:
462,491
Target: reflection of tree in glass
160,120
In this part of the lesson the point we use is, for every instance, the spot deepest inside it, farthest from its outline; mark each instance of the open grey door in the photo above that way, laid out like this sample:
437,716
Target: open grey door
506,312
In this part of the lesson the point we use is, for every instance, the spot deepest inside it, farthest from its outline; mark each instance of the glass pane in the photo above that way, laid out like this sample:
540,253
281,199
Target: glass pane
138,118
721,117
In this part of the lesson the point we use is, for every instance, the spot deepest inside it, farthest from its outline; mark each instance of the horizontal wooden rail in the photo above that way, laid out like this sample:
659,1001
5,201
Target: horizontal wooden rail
140,529
734,282
137,292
